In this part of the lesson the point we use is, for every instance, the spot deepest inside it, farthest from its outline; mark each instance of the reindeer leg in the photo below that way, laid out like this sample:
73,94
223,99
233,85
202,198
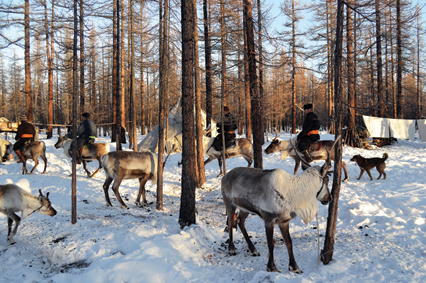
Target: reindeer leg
12,217
242,216
230,210
85,168
45,164
249,160
285,231
219,160
269,228
346,172
142,182
24,167
97,170
296,166
105,187
115,187
35,165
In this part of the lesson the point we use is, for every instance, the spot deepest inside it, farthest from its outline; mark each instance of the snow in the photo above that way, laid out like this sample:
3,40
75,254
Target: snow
380,234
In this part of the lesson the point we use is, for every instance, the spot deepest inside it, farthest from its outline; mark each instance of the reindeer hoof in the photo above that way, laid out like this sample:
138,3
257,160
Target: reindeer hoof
220,175
232,252
273,269
295,270
344,180
255,253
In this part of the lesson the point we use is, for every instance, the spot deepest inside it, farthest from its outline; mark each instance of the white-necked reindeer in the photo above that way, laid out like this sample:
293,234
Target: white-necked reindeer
33,151
243,147
91,151
14,199
119,165
276,196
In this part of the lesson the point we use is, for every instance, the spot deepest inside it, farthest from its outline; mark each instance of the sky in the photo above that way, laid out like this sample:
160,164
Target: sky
380,232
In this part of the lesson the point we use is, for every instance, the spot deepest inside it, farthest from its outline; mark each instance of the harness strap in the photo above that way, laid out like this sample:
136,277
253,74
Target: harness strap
27,136
313,132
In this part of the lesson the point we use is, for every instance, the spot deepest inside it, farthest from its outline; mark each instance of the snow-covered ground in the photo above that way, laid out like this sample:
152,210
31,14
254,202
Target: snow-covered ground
380,233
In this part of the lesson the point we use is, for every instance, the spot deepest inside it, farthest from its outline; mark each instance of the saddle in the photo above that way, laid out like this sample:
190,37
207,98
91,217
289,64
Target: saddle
315,146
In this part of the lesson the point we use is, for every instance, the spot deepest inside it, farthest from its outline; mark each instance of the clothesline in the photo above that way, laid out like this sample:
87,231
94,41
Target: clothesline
396,128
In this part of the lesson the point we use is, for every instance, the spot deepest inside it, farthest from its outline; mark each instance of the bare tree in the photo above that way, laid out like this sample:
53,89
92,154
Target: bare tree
189,182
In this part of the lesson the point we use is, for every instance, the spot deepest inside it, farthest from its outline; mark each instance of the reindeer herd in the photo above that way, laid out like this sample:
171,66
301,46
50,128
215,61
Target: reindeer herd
274,195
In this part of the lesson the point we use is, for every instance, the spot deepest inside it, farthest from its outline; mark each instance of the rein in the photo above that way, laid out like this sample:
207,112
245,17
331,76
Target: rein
297,153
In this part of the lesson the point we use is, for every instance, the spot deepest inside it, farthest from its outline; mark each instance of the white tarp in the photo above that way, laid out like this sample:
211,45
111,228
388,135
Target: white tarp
402,128
149,142
421,124
378,127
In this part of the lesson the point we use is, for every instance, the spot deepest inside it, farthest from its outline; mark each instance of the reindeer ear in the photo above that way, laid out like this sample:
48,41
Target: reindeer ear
47,195
41,194
324,169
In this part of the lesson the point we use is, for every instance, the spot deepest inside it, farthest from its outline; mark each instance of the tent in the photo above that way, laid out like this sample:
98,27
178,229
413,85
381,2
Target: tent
149,142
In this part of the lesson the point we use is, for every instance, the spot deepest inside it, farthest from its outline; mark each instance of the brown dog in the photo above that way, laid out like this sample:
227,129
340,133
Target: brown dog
366,164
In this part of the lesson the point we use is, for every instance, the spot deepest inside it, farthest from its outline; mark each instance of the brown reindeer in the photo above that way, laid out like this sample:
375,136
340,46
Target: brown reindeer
318,151
243,148
119,165
33,151
92,151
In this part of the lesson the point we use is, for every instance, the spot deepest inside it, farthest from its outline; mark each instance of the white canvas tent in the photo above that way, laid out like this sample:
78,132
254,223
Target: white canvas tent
149,142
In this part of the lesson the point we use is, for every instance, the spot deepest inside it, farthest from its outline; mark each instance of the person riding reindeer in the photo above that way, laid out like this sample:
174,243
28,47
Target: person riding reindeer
309,133
229,125
25,134
86,134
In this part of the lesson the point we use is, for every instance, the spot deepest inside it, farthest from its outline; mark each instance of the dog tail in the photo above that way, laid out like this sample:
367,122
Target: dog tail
385,156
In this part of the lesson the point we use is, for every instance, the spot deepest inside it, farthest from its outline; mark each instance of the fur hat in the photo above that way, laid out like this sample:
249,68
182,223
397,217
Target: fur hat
226,109
86,115
23,117
307,106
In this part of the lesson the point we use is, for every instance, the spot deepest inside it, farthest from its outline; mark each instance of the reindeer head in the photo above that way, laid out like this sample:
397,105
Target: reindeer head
60,141
274,146
46,207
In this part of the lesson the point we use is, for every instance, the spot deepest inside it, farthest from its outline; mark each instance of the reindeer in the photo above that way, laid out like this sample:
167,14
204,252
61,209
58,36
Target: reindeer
243,147
318,152
91,151
32,150
3,150
14,199
276,197
119,165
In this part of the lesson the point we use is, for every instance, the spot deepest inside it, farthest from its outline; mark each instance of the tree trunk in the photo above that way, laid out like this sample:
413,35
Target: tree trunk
380,89
162,110
49,53
28,92
247,82
200,152
132,131
293,73
399,101
208,63
351,138
254,91
189,182
82,59
327,252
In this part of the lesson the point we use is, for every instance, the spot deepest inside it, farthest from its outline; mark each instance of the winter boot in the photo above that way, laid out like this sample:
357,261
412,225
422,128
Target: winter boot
307,155
21,157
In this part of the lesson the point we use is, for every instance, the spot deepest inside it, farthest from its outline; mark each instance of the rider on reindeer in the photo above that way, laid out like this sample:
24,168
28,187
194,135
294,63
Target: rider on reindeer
25,134
86,134
309,133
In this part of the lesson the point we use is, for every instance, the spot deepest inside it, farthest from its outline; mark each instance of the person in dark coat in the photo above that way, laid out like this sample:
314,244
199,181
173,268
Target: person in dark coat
25,134
309,133
229,127
86,133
